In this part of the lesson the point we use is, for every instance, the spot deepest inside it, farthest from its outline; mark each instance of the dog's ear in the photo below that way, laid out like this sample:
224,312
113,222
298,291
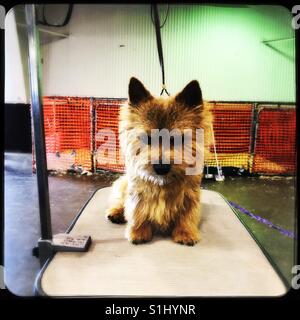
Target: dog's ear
137,92
191,95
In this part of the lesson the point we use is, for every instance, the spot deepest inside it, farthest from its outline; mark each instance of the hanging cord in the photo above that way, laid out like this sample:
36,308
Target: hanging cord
44,21
166,17
219,176
159,44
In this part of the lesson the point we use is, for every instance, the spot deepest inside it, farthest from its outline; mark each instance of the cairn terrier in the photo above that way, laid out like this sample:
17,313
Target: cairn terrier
163,141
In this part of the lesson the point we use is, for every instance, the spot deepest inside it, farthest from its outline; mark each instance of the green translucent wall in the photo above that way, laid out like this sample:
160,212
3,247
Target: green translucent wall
223,48
220,46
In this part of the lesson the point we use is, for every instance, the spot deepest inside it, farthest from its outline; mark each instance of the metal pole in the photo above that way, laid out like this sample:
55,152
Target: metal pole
38,122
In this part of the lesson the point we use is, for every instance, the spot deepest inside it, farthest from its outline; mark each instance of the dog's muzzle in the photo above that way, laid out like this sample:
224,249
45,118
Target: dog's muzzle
162,169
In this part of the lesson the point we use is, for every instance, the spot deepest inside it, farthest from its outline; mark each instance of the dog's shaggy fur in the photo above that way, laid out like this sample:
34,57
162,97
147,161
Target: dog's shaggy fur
147,200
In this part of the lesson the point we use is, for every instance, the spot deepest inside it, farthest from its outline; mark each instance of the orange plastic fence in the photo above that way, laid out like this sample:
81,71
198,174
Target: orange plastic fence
107,153
232,131
275,145
68,139
77,134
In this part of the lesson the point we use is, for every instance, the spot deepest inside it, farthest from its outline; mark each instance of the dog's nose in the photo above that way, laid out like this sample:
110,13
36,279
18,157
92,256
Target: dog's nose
162,169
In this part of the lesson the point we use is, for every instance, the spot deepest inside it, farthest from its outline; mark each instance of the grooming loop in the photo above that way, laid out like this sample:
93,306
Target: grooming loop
157,25
164,89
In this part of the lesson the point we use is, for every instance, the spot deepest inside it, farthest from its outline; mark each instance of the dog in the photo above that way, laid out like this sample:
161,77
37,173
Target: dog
160,197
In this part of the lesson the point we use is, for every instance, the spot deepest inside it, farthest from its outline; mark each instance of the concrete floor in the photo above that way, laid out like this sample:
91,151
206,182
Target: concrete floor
270,198
22,230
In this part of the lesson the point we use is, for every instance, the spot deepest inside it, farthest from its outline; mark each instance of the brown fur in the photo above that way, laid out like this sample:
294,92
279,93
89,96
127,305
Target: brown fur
150,203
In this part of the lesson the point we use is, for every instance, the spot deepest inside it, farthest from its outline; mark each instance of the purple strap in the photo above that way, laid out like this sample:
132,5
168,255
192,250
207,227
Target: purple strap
287,233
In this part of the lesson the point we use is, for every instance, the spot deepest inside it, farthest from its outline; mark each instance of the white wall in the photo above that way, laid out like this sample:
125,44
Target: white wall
90,62
219,46
16,67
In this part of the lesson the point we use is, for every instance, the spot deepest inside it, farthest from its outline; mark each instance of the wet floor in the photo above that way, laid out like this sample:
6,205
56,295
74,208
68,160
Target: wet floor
271,198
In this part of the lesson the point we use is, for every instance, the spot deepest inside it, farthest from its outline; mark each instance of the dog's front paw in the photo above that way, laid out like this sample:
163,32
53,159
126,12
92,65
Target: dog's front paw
116,215
140,235
186,237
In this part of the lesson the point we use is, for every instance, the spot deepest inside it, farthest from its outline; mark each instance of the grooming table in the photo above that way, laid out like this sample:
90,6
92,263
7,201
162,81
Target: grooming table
226,262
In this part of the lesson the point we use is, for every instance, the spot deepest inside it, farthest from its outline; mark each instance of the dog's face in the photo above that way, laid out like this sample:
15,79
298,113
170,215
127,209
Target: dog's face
159,135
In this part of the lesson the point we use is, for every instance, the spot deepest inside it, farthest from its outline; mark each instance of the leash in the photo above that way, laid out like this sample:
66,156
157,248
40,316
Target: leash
159,44
270,224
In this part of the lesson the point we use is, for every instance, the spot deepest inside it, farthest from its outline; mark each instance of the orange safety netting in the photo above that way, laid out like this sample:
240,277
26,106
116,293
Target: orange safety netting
107,149
68,139
232,130
81,134
275,144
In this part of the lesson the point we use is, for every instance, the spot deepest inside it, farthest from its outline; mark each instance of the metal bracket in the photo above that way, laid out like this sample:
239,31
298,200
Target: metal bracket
62,242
